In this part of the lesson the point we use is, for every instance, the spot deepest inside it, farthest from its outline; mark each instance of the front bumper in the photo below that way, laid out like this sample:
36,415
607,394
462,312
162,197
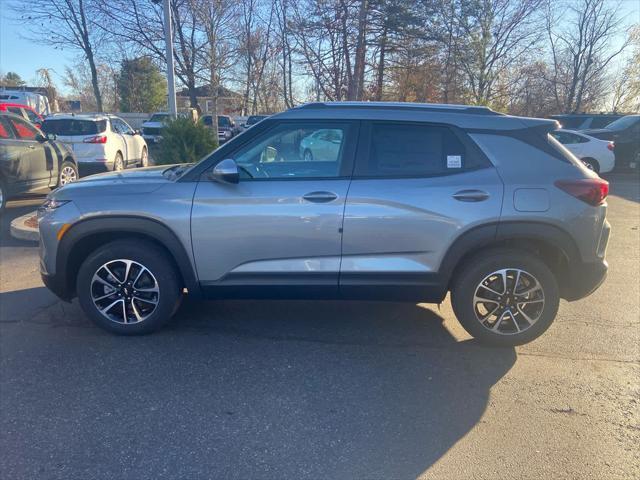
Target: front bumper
152,138
57,286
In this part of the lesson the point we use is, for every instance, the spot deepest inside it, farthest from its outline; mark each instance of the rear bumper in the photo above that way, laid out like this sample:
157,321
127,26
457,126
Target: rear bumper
90,168
585,279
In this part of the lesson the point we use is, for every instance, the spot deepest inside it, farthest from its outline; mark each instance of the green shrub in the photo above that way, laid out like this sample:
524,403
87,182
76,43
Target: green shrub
184,141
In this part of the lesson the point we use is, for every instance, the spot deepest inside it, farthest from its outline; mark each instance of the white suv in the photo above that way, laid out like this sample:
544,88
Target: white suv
100,142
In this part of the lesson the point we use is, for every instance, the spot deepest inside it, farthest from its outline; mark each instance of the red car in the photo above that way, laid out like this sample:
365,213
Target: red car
23,111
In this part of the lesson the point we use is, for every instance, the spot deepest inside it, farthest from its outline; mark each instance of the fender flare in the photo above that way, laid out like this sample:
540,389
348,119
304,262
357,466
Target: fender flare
484,236
153,229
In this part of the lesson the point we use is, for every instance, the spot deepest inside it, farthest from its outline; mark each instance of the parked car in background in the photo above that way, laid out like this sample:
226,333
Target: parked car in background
227,128
37,101
253,120
625,133
414,202
596,154
151,129
24,111
321,145
30,160
99,142
581,121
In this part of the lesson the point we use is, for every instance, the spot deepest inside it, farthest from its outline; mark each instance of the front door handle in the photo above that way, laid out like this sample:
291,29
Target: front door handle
32,147
470,195
320,197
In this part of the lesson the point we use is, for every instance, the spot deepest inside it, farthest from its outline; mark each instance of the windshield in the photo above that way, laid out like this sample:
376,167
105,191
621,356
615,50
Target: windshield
159,117
224,122
71,127
623,123
253,119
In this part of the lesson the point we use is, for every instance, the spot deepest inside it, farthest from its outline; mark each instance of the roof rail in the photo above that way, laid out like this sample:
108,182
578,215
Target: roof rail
428,107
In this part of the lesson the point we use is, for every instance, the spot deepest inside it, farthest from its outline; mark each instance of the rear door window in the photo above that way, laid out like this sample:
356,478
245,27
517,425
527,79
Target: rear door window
5,130
73,127
415,150
23,130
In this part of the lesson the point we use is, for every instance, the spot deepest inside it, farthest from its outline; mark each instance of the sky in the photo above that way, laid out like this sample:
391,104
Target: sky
25,57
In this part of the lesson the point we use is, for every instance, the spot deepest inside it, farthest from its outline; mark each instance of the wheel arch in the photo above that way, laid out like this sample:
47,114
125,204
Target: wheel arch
86,236
551,244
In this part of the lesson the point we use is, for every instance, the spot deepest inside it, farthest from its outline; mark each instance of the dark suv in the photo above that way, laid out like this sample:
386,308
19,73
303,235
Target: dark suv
395,202
30,160
625,134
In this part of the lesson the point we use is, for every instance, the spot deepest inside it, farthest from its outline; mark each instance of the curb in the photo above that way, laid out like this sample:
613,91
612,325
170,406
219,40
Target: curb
21,230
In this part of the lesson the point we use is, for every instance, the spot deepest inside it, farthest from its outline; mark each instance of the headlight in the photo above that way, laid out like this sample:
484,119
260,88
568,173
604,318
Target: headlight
52,203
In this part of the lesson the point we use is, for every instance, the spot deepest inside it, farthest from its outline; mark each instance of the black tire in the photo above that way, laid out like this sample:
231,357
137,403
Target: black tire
65,166
307,156
484,264
145,156
3,197
592,164
152,258
119,161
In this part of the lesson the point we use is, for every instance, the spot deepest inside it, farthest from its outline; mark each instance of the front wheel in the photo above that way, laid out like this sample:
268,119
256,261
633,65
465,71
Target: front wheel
505,298
128,287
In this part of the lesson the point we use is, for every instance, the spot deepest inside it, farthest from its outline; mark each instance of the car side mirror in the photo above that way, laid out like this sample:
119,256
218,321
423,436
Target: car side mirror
225,172
44,137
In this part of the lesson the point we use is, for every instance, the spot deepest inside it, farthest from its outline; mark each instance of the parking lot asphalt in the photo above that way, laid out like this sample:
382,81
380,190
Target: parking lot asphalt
320,390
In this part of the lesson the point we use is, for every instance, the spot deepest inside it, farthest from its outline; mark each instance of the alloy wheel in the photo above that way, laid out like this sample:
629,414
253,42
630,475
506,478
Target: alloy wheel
68,175
125,291
508,301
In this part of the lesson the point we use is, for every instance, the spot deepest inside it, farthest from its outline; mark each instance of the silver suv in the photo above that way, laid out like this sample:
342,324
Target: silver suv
371,201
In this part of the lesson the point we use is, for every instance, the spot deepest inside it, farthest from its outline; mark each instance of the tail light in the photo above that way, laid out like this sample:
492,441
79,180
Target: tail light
590,190
96,139
611,146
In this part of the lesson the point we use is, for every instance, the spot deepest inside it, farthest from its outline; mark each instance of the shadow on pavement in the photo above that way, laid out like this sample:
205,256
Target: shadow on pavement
252,389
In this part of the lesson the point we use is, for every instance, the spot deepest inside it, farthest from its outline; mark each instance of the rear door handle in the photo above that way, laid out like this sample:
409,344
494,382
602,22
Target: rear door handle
320,197
32,147
470,195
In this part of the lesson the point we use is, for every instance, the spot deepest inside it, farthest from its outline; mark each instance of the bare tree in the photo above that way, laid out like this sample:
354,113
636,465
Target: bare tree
215,19
139,27
495,34
581,50
66,24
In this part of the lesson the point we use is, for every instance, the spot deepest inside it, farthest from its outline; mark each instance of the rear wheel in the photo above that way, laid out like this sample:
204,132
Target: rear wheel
505,298
68,173
144,161
591,164
128,287
3,197
118,164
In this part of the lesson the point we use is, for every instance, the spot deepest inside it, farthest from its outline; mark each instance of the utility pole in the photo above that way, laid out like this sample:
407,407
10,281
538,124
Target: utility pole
168,41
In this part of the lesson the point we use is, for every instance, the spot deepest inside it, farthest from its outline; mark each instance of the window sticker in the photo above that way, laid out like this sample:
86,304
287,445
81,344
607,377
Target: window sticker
454,161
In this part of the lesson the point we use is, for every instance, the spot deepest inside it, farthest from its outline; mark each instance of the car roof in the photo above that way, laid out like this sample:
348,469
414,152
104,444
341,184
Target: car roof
20,105
465,116
81,116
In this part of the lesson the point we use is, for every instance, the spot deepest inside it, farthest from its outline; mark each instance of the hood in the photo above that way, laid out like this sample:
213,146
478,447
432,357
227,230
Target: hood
154,124
138,181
